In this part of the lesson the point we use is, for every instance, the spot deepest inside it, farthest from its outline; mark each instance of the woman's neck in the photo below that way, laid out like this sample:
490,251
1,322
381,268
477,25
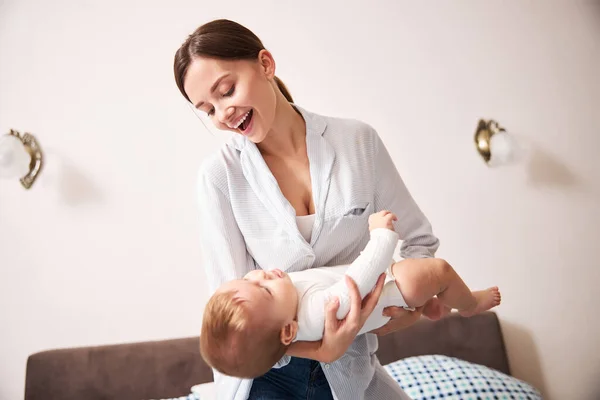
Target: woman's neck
287,137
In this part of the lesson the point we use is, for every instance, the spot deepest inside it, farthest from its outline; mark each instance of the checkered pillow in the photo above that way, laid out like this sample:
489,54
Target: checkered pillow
447,378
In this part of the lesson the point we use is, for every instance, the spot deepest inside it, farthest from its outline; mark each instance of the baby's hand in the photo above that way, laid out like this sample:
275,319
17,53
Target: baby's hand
382,219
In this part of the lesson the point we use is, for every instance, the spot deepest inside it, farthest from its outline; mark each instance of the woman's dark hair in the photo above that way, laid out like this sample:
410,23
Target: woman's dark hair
224,40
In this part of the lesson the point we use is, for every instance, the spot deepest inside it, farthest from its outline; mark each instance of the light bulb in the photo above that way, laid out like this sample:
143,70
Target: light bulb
14,158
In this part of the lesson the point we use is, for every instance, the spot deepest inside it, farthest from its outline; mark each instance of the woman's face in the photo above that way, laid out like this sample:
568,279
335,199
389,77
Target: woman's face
237,96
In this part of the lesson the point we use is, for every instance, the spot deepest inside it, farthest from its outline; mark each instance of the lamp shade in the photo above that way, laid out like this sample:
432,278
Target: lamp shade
501,149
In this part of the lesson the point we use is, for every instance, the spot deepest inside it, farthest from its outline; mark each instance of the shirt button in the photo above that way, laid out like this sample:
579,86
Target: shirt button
326,366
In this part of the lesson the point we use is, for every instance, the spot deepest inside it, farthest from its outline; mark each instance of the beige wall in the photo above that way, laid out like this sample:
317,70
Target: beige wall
104,247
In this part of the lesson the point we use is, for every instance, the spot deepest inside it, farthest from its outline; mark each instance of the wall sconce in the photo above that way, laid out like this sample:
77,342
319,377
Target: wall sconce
493,143
20,157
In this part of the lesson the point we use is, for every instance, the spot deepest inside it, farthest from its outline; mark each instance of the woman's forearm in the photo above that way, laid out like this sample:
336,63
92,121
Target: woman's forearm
310,350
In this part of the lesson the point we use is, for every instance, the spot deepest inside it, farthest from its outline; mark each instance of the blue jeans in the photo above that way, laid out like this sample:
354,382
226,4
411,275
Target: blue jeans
300,379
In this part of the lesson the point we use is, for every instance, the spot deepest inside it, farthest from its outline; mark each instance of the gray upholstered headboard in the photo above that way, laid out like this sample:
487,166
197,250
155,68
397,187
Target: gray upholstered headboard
477,339
171,367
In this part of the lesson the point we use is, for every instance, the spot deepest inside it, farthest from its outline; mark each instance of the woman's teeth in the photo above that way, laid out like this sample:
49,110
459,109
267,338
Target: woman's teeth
242,120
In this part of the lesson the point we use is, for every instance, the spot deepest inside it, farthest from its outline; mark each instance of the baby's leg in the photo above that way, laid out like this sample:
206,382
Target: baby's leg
434,309
421,279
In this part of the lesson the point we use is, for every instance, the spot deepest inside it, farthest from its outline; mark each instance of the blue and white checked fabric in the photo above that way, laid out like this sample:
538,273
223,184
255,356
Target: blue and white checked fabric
446,378
247,223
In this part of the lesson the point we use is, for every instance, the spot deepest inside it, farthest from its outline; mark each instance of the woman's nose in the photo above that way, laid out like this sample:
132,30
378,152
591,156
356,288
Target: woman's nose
224,114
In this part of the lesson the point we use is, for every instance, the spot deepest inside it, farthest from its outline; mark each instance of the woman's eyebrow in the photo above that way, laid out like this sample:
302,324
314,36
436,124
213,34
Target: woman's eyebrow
214,87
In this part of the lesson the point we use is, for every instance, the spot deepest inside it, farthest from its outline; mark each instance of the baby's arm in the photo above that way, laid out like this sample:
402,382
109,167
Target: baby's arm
372,262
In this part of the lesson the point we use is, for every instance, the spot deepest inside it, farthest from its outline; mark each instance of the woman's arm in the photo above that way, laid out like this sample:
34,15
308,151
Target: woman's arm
303,349
418,240
224,252
223,246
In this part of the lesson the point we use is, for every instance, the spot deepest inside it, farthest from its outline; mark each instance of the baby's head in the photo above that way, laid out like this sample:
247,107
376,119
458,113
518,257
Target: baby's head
249,323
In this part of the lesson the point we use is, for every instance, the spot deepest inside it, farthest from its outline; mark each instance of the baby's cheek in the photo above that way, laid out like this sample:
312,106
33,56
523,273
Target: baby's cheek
251,274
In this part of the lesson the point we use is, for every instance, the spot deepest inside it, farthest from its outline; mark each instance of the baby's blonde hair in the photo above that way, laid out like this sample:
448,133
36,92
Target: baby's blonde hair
237,342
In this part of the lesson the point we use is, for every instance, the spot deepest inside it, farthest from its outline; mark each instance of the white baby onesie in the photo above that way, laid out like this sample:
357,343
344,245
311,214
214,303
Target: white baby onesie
317,285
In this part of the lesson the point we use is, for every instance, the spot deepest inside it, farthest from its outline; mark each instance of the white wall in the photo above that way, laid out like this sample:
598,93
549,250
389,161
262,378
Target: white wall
104,248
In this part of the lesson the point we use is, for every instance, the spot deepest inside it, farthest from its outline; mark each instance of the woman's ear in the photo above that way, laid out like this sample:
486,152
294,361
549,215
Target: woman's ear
288,333
267,63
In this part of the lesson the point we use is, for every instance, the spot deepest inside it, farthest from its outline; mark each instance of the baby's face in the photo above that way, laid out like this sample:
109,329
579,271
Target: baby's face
271,294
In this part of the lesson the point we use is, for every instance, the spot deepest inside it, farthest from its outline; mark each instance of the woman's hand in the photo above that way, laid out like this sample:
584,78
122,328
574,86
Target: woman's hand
339,334
401,319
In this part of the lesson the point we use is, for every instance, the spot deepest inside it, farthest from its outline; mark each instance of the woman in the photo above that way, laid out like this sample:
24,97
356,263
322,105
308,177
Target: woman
292,190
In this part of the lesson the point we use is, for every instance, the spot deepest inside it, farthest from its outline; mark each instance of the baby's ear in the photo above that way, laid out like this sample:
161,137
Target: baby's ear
288,333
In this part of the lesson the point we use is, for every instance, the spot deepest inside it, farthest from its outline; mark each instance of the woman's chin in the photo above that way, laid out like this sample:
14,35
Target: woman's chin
256,137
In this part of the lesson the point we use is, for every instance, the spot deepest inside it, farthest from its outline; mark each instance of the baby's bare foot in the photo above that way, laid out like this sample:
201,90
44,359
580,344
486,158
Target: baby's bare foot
434,309
486,299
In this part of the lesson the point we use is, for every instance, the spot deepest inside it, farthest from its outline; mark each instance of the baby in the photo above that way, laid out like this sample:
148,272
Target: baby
249,323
